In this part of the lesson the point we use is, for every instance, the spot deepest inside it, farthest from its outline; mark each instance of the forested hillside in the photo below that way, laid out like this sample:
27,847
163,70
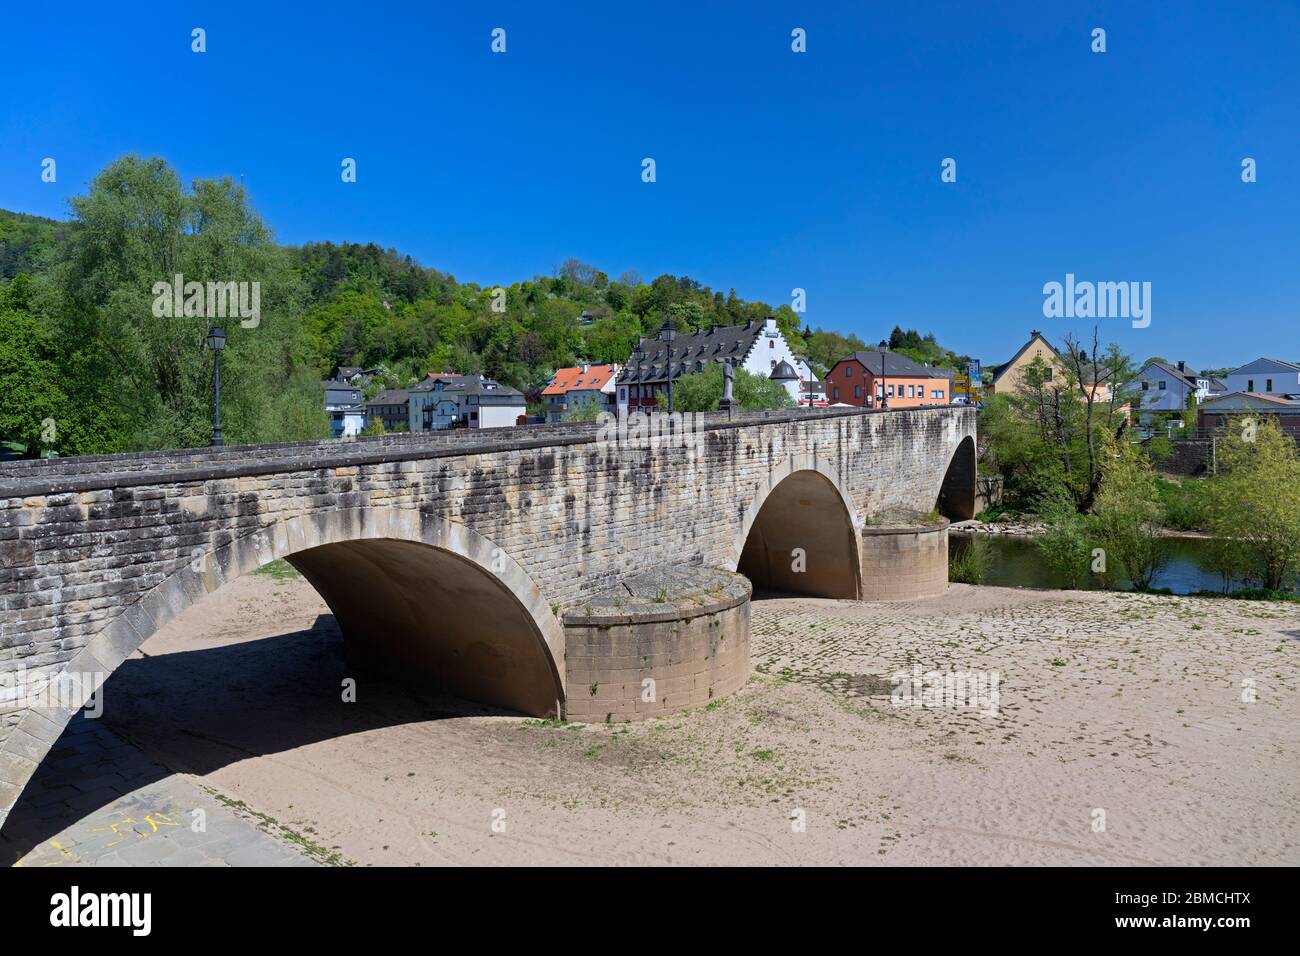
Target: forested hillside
81,347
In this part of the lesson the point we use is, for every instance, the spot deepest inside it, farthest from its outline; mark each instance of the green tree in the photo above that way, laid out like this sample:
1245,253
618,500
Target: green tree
701,391
1255,500
137,227
30,391
1128,515
1064,543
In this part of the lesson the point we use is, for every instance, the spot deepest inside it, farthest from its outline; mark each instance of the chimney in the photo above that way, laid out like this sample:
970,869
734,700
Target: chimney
585,366
1182,366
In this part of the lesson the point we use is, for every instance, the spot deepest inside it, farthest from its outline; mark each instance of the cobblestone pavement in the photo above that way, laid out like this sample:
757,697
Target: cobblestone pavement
99,801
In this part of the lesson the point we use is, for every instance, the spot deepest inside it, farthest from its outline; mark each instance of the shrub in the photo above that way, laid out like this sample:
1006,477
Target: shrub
969,563
1064,542
1186,503
1128,518
1255,500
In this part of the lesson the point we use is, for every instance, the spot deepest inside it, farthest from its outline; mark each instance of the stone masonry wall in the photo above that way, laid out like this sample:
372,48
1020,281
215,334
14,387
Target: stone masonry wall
83,539
904,564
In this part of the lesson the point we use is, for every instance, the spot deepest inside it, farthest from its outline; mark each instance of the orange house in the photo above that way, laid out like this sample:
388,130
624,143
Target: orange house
859,379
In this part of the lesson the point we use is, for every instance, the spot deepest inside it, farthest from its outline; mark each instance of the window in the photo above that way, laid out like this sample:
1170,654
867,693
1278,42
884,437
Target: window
848,371
891,391
911,391
1163,384
1250,384
1268,385
1146,386
857,391
771,343
836,390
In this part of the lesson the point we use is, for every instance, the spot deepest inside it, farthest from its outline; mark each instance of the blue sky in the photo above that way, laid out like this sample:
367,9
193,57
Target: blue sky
775,170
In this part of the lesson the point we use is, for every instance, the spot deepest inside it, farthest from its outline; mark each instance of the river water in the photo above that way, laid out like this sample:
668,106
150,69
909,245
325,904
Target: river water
1017,562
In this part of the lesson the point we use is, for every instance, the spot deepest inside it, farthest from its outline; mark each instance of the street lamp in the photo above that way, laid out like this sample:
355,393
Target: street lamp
216,341
884,347
667,334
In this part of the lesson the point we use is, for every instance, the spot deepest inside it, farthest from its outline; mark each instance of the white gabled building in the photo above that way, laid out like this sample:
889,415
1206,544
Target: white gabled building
1166,388
1266,376
757,347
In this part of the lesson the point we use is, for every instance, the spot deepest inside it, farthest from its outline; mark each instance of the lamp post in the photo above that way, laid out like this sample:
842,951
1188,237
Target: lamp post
216,341
884,347
667,334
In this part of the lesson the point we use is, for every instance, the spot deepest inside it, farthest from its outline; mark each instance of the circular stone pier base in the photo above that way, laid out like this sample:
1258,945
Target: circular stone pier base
655,643
904,562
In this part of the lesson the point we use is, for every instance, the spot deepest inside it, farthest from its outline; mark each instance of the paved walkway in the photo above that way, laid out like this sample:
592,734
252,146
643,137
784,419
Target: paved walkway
98,801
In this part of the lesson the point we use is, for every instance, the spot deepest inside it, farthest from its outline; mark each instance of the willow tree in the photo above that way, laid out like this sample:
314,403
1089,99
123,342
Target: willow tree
137,227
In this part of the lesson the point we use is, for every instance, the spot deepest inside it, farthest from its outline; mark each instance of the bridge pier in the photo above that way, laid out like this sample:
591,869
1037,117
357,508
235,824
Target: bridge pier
656,643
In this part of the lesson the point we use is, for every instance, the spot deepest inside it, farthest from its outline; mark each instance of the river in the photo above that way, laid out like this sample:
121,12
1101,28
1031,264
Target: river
1017,562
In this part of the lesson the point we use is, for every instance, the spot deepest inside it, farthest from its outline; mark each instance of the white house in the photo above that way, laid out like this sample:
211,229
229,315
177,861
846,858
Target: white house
346,406
464,401
757,347
1266,377
1166,388
580,385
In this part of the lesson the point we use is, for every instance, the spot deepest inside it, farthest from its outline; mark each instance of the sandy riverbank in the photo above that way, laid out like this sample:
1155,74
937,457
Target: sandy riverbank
1126,704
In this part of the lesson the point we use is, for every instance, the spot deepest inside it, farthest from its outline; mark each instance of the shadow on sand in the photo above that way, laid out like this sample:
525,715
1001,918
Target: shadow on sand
197,711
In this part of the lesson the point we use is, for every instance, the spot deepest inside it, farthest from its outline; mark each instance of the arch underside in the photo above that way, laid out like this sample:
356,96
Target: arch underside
956,500
423,616
803,540
417,596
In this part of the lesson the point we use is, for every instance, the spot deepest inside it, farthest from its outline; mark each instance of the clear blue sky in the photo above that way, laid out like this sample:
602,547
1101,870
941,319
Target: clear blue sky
775,170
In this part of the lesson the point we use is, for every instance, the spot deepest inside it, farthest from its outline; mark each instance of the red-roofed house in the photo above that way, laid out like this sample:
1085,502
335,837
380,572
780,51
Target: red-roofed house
572,387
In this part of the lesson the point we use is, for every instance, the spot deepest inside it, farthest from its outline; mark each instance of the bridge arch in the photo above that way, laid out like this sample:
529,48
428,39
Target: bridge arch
956,496
391,576
800,504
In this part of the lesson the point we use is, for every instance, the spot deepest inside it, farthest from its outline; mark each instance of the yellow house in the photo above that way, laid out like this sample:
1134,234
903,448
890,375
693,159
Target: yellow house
1009,376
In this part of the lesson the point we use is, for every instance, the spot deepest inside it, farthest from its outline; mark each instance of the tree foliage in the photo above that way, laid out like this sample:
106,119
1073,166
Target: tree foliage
1254,503
82,339
701,391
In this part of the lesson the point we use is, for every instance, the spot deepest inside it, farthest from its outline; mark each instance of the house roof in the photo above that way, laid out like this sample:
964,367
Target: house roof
997,370
1188,374
994,372
1290,365
899,366
579,378
391,396
1256,399
784,372
691,353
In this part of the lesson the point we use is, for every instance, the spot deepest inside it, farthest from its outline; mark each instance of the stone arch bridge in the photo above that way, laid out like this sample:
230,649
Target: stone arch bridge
459,555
